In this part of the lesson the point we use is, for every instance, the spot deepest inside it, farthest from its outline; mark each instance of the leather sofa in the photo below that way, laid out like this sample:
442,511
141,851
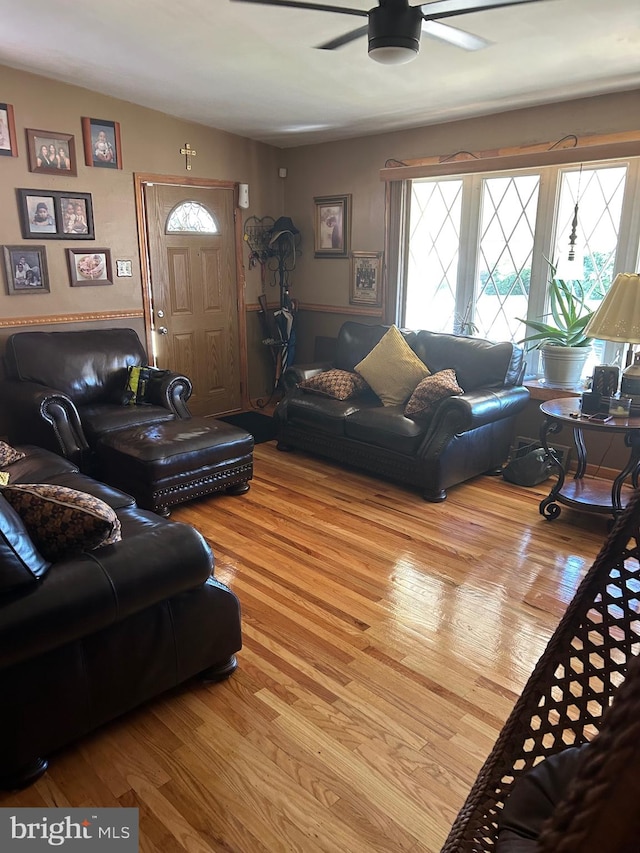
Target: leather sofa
64,390
94,634
463,437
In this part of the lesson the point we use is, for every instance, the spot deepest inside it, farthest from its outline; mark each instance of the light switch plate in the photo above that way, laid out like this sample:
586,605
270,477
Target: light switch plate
123,268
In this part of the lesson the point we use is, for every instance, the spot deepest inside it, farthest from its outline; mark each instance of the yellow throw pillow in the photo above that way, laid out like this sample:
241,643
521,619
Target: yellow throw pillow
392,368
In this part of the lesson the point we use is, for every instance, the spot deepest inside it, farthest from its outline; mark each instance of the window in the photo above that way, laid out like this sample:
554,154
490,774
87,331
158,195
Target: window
477,246
191,217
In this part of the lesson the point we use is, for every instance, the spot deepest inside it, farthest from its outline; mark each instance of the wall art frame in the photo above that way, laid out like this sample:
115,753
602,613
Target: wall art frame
102,145
47,215
91,268
366,279
42,159
332,226
26,269
8,141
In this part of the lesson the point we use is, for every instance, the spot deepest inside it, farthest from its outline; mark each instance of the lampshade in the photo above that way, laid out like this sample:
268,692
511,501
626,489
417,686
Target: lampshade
618,317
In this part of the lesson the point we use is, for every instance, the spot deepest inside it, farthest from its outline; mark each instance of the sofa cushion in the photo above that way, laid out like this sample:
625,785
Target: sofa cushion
386,427
337,384
20,562
477,362
63,522
86,365
321,413
99,419
428,393
392,369
9,454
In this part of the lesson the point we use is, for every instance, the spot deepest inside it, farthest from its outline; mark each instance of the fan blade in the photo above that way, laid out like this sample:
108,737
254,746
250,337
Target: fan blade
449,8
453,35
294,4
344,39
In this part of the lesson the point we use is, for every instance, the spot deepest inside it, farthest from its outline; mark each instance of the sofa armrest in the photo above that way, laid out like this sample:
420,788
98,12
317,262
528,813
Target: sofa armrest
85,594
483,406
43,416
299,372
172,392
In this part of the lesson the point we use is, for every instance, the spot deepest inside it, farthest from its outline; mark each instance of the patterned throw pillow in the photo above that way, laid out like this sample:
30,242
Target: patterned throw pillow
338,384
430,391
9,454
63,522
392,368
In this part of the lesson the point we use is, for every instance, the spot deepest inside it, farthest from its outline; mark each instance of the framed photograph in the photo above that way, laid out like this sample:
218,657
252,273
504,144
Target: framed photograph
366,276
102,146
37,210
8,144
26,269
88,268
74,214
55,215
332,226
51,152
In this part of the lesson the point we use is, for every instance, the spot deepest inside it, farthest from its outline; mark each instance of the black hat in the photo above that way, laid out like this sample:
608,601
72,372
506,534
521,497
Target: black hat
281,226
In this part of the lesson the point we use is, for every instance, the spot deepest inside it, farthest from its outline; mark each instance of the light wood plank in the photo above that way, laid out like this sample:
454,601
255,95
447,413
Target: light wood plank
385,641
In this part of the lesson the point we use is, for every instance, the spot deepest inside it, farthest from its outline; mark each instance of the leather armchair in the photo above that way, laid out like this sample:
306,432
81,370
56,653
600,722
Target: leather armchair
64,390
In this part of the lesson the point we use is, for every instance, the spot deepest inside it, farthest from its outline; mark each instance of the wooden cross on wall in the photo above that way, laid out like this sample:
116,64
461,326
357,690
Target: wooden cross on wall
188,152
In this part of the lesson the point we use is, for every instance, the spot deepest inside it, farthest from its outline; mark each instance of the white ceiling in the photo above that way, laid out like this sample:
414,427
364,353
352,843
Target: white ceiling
253,70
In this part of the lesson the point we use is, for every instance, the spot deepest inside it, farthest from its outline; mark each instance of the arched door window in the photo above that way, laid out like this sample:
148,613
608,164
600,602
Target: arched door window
191,217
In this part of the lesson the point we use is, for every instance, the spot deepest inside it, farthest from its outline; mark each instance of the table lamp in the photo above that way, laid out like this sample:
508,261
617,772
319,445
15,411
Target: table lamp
618,319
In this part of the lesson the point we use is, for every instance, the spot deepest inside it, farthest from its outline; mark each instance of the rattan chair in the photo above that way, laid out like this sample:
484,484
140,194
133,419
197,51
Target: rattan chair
563,704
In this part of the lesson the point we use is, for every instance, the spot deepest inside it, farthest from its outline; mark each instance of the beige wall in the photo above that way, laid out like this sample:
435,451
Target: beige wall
353,166
151,143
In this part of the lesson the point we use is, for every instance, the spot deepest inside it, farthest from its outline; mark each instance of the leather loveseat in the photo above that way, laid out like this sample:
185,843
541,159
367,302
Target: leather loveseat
65,390
463,436
93,634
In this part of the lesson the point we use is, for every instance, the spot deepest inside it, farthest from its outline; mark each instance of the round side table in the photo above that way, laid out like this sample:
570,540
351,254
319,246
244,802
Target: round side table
587,494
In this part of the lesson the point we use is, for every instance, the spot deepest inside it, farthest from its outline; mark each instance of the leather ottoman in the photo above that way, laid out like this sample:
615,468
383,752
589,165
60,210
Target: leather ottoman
167,463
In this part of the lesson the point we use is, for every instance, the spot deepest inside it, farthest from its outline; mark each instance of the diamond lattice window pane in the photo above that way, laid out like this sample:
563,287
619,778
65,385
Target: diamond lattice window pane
508,221
432,270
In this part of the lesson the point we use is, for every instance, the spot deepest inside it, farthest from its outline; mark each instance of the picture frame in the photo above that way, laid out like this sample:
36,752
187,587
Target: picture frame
51,152
332,226
102,146
89,268
47,214
26,269
366,279
8,142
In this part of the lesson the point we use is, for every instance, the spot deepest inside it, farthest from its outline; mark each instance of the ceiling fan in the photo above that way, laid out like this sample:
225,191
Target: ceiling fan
394,27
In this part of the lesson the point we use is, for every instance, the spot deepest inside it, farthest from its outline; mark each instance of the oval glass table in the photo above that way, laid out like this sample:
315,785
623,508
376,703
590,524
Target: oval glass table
577,491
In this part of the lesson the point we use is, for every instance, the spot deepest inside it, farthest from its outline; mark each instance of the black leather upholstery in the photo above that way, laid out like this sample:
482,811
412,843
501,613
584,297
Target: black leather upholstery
464,436
64,390
87,638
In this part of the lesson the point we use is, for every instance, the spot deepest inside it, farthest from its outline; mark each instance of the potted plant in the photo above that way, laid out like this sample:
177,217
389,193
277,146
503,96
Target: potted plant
563,343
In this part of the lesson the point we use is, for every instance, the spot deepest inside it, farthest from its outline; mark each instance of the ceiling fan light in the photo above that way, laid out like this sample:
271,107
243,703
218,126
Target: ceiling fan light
393,54
394,32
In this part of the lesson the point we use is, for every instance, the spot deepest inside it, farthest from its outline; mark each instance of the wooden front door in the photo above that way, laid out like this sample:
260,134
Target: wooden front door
194,291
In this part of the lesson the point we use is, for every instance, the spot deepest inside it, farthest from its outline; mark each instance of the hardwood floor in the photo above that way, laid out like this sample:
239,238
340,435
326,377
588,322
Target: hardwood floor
385,641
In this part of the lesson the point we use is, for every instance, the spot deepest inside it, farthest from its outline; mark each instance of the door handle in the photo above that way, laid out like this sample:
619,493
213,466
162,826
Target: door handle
163,330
